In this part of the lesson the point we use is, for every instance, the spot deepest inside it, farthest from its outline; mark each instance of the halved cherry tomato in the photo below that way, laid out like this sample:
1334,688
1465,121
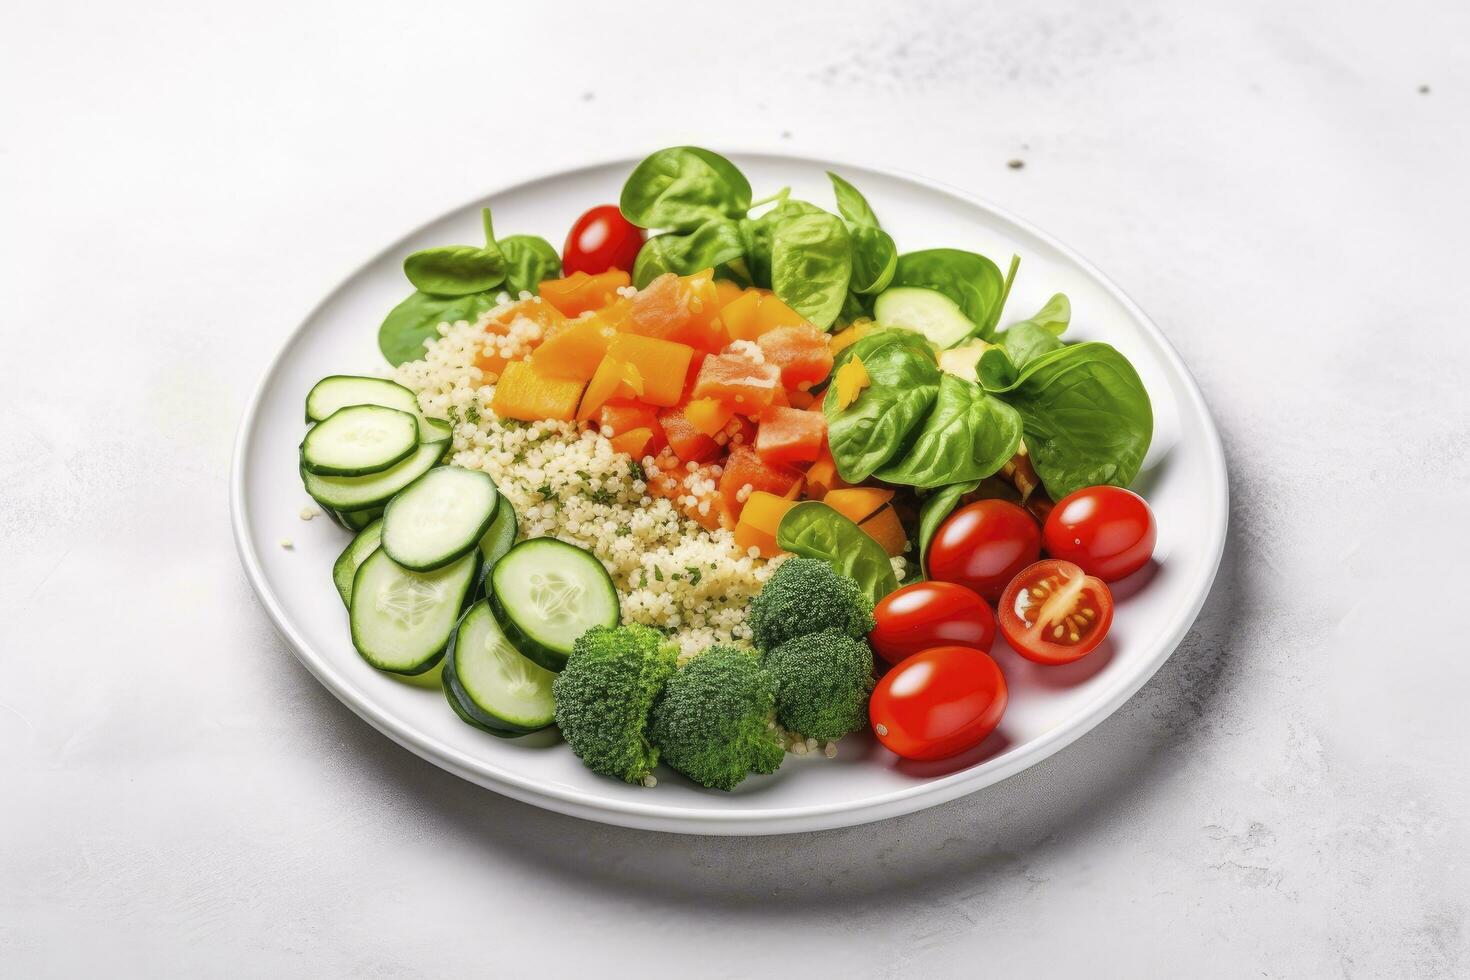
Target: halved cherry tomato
983,545
930,614
938,703
1054,613
601,239
1105,531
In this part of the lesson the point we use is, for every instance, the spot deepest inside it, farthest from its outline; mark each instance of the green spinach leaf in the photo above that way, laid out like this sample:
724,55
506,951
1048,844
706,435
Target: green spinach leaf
455,270
967,436
865,347
851,204
874,260
1085,413
416,319
711,244
682,187
814,530
904,382
529,261
811,264
935,508
974,282
757,234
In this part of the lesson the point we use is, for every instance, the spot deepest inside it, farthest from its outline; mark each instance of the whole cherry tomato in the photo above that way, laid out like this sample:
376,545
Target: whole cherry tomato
930,614
1053,613
938,703
601,239
1105,531
983,545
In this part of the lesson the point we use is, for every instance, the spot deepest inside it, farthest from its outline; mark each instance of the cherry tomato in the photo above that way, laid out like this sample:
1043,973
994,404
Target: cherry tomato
983,545
938,703
930,614
1105,531
601,239
1054,613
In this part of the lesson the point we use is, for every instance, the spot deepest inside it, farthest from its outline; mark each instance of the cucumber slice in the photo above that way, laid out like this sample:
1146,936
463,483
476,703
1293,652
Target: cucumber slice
352,557
348,493
358,440
931,313
401,619
492,685
497,541
341,390
439,517
546,593
355,520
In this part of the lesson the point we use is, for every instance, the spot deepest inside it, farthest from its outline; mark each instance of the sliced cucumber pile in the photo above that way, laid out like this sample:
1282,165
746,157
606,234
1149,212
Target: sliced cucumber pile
498,540
927,311
490,684
546,593
352,557
401,619
358,440
340,391
439,518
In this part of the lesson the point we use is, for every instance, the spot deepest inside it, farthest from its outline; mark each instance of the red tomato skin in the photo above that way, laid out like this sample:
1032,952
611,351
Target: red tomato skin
938,703
983,545
930,614
1017,634
600,240
1108,532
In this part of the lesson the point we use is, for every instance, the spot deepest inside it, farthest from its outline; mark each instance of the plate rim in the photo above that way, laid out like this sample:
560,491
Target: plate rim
750,822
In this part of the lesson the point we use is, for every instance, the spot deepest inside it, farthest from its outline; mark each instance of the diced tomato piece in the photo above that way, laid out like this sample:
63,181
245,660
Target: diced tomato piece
660,308
745,469
737,377
579,292
617,417
800,352
789,435
687,442
800,399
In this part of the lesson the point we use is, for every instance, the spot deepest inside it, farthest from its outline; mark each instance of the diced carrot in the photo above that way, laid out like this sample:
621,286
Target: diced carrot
523,393
613,379
492,365
708,415
661,364
857,504
773,313
745,469
736,377
579,292
853,334
633,443
726,292
800,352
747,537
574,350
885,528
850,381
739,316
687,442
789,435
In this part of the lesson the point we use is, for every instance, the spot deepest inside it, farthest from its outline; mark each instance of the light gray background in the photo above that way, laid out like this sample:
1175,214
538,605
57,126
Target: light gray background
181,182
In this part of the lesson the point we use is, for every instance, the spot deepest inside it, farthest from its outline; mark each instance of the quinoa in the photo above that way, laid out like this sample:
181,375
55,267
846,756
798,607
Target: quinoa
566,481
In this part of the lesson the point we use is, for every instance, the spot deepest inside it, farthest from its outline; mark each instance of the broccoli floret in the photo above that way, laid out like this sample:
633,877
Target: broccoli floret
604,694
822,683
807,596
716,720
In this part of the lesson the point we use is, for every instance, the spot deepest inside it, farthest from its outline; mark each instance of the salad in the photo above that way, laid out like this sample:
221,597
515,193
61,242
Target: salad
725,479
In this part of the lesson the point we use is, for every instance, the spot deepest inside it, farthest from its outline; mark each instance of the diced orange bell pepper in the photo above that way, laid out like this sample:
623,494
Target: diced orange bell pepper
579,292
736,377
773,313
850,381
616,417
726,292
662,365
885,528
747,537
574,350
857,504
634,442
764,510
523,393
708,415
822,476
739,316
745,469
852,335
789,435
614,378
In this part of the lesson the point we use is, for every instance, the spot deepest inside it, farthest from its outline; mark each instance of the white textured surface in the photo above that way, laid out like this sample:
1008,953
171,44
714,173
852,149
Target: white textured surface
181,182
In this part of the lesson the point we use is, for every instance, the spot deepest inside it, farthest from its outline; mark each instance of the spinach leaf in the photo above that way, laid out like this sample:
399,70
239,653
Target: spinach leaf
1086,416
682,187
1026,341
757,234
416,319
854,308
711,244
935,508
865,347
967,436
529,261
455,270
874,259
904,382
972,281
1053,317
811,264
851,204
814,530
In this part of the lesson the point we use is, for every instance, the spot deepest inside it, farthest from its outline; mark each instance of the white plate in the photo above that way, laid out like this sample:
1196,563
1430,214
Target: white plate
1183,479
